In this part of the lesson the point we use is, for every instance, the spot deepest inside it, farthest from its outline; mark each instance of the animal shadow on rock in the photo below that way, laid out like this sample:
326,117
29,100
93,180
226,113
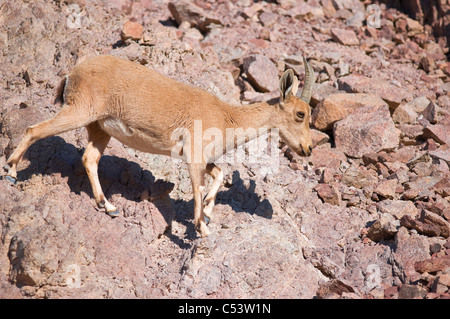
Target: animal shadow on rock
240,198
53,155
243,198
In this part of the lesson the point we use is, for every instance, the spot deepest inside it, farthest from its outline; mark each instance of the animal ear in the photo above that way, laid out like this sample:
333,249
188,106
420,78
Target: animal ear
288,85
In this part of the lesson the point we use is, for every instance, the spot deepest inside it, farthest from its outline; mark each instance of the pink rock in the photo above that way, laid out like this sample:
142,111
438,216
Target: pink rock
268,19
132,30
252,10
324,156
329,194
262,73
183,10
318,137
357,83
368,129
436,221
386,188
433,264
439,132
337,106
442,153
345,37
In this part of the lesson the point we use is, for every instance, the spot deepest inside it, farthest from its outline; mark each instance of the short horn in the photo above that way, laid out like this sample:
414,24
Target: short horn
309,82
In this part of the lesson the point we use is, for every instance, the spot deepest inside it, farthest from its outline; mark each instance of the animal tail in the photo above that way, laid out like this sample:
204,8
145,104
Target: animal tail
59,98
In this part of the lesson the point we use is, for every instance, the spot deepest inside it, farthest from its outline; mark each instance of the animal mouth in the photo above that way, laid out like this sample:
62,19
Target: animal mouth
304,151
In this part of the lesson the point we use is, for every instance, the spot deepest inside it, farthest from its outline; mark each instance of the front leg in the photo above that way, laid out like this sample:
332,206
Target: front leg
197,178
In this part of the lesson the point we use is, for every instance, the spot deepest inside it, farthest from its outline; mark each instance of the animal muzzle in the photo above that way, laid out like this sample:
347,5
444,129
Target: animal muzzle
304,150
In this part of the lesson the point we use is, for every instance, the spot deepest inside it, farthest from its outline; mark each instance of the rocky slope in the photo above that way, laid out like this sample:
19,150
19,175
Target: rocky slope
367,215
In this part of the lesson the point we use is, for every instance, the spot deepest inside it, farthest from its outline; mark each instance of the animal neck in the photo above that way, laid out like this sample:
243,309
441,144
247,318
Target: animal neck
251,120
257,115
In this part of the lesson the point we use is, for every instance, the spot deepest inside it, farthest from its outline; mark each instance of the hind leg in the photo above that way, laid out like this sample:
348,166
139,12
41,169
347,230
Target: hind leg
217,175
68,118
197,172
98,139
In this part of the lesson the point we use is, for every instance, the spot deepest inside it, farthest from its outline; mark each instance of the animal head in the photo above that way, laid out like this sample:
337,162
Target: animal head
295,112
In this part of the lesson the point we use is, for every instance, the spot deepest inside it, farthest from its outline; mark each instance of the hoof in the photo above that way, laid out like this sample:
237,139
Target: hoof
203,230
6,167
11,179
207,220
113,214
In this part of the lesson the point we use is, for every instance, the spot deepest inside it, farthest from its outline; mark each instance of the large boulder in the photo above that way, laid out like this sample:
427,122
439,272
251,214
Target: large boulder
337,106
357,83
261,72
368,129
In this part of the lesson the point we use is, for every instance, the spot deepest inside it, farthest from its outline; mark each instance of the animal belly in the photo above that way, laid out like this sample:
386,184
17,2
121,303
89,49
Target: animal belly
134,138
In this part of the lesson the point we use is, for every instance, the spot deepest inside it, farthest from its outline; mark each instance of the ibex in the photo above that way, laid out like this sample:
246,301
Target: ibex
141,108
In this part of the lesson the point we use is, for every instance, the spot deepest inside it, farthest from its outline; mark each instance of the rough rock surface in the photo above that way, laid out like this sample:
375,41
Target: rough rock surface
367,215
261,73
368,129
337,106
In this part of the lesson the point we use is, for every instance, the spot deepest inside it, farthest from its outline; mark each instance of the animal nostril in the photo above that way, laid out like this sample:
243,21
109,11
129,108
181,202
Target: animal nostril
310,148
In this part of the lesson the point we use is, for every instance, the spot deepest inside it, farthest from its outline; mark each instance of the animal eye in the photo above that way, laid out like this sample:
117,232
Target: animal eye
301,115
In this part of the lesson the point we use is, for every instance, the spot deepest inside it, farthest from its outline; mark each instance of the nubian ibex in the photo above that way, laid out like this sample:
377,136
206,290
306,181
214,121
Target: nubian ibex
142,108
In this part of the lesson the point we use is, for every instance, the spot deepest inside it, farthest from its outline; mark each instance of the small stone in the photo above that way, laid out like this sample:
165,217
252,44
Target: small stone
327,176
344,36
334,289
320,92
435,248
324,156
305,12
413,26
442,187
359,177
438,132
400,25
422,228
436,220
391,292
131,30
398,208
329,194
382,229
411,292
430,113
386,188
427,63
328,8
318,137
433,264
252,10
442,153
404,114
184,10
445,279
268,19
